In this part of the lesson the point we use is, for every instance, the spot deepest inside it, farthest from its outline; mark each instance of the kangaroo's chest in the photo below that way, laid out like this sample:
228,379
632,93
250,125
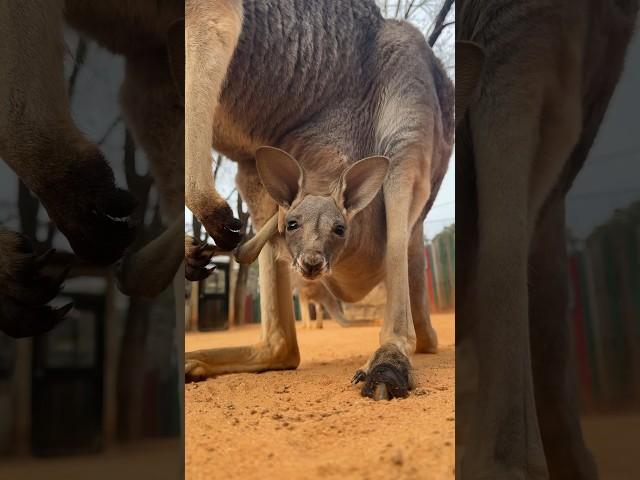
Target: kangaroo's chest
362,266
293,61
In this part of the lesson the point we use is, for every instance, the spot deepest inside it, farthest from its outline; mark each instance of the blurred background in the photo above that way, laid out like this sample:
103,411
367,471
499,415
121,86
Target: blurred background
603,221
98,396
603,244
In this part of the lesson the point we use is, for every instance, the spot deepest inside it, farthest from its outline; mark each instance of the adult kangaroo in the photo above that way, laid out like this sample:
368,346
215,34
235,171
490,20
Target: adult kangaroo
359,117
549,69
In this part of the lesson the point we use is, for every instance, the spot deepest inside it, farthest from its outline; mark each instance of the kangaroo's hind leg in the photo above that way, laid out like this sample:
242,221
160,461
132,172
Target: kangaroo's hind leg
553,368
426,336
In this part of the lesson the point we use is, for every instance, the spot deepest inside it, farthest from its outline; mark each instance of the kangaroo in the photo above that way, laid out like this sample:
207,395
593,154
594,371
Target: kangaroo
359,125
547,72
41,143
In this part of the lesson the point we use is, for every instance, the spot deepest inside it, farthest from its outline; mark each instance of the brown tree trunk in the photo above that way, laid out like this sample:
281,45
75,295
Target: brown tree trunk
439,24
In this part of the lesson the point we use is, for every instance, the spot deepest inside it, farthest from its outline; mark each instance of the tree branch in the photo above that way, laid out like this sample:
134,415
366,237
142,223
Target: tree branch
81,53
109,130
439,24
217,169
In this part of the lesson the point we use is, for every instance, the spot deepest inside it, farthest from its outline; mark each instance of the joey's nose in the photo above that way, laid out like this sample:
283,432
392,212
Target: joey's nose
312,264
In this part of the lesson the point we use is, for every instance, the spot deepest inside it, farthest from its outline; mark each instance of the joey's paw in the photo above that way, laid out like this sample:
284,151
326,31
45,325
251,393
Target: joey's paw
389,375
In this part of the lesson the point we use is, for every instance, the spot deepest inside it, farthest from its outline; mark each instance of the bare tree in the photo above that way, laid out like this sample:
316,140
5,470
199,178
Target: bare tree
440,22
432,17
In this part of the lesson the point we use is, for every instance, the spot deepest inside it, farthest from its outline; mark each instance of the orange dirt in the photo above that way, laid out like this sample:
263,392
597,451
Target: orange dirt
311,423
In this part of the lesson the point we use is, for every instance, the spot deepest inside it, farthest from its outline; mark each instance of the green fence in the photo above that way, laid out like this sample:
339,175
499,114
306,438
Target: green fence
441,270
605,311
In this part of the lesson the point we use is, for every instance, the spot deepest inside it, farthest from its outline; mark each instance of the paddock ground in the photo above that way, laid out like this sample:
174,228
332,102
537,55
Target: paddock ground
311,423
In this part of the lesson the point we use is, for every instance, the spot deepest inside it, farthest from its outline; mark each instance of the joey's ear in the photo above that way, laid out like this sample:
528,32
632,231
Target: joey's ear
280,174
362,182
469,63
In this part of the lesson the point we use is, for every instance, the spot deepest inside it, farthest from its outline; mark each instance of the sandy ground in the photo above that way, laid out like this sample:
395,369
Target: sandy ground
311,423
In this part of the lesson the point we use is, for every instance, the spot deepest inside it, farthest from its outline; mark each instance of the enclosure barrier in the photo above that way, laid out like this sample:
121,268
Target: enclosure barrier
604,278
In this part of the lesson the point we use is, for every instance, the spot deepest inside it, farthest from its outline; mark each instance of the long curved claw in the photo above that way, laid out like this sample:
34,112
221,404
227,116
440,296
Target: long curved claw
358,377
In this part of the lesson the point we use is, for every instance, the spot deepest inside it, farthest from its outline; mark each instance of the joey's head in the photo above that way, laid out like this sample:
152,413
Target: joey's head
317,227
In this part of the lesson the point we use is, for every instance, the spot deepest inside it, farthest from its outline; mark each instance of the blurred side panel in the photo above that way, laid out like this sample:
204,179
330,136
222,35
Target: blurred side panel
99,395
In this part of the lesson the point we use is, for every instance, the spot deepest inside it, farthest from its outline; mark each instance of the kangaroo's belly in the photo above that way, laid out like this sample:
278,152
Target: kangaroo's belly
354,289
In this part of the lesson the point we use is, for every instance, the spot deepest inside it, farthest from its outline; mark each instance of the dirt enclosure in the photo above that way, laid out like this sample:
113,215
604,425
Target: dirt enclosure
311,423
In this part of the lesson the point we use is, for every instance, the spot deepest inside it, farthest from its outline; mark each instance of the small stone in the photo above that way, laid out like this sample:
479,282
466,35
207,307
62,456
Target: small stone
397,459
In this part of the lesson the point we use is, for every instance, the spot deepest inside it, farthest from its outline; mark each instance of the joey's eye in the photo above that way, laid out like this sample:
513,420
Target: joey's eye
339,230
292,225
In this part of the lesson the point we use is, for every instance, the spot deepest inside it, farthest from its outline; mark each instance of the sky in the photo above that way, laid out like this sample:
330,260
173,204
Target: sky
610,178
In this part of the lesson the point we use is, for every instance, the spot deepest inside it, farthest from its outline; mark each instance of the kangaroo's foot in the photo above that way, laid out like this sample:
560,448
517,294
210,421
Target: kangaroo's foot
426,340
25,290
387,375
197,257
202,364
